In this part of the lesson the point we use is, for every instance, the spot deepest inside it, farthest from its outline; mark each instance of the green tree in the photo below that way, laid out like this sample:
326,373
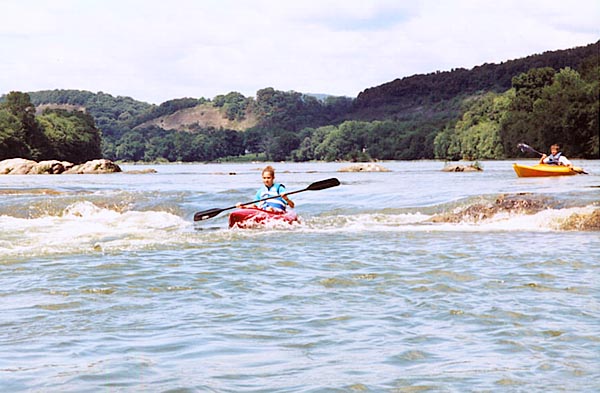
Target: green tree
70,136
12,137
519,124
567,113
131,147
19,104
281,145
234,104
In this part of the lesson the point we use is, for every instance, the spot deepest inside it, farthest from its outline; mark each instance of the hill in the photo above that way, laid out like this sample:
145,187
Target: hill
403,96
203,115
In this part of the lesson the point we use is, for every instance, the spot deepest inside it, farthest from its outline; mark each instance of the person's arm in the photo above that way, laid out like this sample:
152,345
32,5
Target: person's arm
288,200
543,158
565,161
257,196
281,191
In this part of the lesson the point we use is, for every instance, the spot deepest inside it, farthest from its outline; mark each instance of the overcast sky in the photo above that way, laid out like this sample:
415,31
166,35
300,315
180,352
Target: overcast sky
156,50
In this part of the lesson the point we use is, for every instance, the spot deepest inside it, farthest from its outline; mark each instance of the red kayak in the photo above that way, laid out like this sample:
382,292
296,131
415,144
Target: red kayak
252,218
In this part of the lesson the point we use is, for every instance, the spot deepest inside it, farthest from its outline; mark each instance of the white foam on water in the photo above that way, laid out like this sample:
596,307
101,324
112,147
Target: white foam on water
85,227
543,221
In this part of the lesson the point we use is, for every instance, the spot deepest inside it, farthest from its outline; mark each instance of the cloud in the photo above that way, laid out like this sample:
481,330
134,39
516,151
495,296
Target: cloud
155,50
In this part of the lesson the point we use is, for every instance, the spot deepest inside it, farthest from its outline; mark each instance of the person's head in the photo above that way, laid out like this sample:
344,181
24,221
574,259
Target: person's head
268,176
555,148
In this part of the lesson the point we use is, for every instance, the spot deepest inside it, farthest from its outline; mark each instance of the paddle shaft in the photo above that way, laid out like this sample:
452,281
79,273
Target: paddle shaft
320,185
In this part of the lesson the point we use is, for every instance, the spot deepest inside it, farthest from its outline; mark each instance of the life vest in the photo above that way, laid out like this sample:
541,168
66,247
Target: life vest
278,204
553,159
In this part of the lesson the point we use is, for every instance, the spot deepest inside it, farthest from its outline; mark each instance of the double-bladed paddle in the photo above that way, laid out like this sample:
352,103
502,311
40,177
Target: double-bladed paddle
526,148
316,186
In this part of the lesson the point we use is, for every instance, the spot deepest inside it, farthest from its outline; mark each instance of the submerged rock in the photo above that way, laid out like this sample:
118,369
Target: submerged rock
462,168
366,167
519,203
21,166
582,222
140,171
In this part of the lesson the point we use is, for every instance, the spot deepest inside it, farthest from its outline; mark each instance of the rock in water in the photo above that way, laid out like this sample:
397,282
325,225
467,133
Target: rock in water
95,166
22,166
16,166
367,167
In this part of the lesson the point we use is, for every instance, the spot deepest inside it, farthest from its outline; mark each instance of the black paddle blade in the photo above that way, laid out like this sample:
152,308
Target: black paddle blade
206,214
526,148
323,184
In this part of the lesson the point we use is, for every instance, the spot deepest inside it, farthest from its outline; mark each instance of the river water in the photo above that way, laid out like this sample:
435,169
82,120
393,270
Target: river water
408,280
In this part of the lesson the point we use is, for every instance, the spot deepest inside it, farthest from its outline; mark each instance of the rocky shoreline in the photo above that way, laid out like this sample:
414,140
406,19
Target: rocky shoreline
22,166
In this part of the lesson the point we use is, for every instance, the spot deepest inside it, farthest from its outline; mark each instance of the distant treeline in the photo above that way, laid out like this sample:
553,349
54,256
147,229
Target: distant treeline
481,113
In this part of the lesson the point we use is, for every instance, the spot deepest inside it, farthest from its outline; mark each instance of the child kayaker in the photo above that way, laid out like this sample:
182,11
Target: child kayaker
556,157
271,189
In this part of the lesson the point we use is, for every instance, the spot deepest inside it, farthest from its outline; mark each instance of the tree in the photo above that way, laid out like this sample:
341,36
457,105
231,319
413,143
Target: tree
281,145
519,124
19,104
131,147
234,104
567,113
70,136
12,137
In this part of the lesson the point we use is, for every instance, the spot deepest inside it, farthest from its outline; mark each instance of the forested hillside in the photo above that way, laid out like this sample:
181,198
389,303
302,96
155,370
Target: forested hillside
56,134
480,113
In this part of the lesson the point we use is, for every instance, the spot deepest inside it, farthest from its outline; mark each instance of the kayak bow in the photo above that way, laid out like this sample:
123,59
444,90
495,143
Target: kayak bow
252,218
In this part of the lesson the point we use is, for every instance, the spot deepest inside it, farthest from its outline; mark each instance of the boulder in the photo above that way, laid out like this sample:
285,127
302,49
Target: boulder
16,166
22,166
50,167
364,167
462,168
95,166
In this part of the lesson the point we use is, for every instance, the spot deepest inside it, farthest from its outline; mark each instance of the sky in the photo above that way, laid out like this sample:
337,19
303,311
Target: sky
157,50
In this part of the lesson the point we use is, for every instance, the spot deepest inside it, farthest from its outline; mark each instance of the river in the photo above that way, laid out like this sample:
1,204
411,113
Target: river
407,280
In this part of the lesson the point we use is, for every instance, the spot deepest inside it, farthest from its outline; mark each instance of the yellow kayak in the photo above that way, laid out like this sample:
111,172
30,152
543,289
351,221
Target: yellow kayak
545,170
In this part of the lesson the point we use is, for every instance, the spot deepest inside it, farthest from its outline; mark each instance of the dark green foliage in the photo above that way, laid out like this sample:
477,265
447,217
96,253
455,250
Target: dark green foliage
544,107
154,143
553,108
19,105
234,105
57,134
164,109
439,86
70,136
476,135
113,115
12,136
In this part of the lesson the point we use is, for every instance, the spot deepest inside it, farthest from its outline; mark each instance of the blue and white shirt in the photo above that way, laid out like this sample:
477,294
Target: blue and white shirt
278,204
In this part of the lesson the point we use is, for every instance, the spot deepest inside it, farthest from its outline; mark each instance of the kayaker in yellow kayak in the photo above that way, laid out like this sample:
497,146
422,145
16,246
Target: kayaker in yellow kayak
556,157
